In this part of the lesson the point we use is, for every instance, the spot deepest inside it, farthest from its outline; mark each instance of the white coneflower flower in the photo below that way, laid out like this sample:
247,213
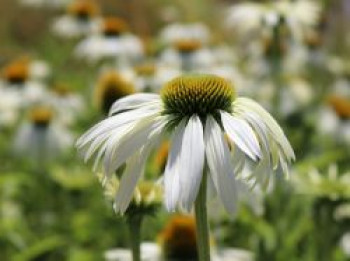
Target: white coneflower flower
112,40
17,78
205,119
41,138
187,55
10,105
251,18
191,32
80,19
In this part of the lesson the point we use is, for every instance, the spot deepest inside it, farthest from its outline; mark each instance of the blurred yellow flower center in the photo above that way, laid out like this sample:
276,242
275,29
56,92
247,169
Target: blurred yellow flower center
187,46
114,26
179,239
41,116
111,87
16,73
197,94
340,105
83,9
145,70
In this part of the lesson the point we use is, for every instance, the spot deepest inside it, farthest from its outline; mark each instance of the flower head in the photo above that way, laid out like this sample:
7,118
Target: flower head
16,72
83,10
179,239
114,26
197,111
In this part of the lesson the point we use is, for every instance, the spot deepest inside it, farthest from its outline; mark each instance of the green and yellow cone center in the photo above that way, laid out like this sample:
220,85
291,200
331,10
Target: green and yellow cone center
197,94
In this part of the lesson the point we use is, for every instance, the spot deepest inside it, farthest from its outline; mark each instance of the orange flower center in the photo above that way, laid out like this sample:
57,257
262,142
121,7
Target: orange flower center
114,26
83,9
188,46
341,106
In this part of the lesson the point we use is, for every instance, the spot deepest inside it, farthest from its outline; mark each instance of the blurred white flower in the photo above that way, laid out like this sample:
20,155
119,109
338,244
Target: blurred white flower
10,104
149,252
39,70
249,19
235,254
345,243
187,55
190,107
112,40
40,138
81,19
175,32
17,80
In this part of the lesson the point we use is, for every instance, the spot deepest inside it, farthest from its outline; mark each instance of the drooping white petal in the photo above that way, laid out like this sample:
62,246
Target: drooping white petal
120,148
134,169
191,162
171,173
241,134
246,104
117,121
134,101
219,162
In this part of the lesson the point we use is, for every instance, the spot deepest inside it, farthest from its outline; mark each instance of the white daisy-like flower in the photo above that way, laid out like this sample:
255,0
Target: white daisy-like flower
81,19
205,119
187,55
250,18
10,104
17,79
41,138
189,32
112,40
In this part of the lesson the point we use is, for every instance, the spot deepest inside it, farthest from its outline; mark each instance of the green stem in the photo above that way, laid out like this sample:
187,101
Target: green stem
134,224
202,226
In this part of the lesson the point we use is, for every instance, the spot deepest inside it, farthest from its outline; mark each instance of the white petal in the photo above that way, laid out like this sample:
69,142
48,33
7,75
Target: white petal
191,162
171,173
241,134
120,148
219,162
134,169
114,122
133,101
246,104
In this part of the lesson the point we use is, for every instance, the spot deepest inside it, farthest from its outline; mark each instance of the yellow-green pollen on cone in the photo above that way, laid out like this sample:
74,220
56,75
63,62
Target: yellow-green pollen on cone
197,94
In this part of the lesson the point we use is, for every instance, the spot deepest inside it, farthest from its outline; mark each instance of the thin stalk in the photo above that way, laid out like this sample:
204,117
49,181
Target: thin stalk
202,226
134,224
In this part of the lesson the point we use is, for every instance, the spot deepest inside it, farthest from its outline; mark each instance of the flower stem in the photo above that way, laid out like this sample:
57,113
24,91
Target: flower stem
202,226
134,224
